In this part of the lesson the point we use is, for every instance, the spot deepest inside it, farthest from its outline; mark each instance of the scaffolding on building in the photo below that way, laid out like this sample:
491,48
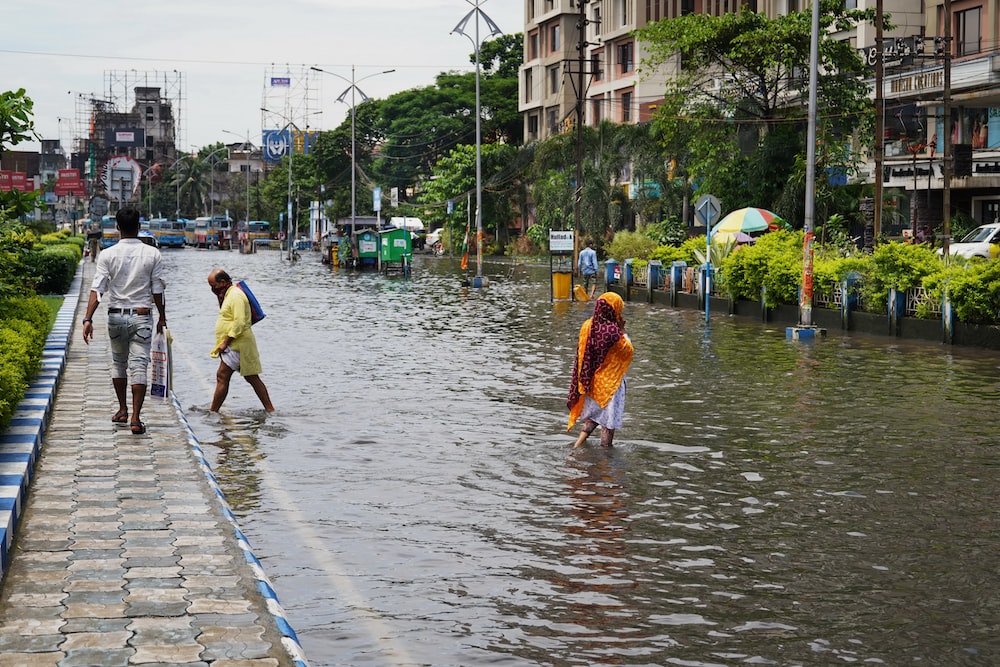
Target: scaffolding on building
291,94
121,85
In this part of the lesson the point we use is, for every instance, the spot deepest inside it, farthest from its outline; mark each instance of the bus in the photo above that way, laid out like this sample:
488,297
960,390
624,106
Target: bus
191,233
169,233
259,232
213,232
109,229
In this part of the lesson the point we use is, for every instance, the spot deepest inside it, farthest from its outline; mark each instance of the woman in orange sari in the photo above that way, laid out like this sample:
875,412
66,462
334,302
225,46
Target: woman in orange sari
603,355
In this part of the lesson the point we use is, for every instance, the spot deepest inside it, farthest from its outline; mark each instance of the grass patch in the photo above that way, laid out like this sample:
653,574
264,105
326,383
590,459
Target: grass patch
54,303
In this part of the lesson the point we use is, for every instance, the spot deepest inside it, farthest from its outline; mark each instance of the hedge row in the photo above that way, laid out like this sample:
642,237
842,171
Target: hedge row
24,325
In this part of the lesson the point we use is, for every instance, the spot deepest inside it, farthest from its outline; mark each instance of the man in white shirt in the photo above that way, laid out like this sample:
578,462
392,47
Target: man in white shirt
129,277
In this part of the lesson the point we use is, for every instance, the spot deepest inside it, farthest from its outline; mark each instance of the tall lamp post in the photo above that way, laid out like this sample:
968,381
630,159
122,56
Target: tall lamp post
476,12
291,153
246,146
352,88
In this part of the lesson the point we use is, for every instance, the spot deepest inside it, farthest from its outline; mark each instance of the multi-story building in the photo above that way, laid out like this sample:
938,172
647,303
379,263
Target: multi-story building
604,59
914,94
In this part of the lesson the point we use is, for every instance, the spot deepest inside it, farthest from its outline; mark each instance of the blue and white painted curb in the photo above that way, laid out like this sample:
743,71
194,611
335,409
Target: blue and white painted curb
288,637
21,442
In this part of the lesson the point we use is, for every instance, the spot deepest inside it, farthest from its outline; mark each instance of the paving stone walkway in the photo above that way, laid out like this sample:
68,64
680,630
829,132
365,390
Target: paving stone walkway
120,549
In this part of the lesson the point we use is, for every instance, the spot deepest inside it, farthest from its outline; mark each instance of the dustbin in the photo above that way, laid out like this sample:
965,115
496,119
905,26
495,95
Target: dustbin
562,282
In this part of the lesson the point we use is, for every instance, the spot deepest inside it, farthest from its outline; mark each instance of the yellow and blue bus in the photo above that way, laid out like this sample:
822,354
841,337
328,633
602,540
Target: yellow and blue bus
191,233
259,232
169,233
109,231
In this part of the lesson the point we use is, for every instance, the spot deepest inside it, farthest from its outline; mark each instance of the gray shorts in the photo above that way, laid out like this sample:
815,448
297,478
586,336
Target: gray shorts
130,336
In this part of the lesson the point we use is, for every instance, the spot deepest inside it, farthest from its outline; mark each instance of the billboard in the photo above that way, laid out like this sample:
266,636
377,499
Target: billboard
125,137
279,143
120,177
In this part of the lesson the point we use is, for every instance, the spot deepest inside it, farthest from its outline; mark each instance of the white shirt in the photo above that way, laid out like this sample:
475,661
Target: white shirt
130,272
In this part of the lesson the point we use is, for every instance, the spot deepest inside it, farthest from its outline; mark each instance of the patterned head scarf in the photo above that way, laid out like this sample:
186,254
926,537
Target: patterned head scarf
602,357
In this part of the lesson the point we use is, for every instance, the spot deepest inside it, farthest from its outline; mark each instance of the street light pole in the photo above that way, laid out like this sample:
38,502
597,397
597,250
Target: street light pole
476,12
352,89
291,153
246,146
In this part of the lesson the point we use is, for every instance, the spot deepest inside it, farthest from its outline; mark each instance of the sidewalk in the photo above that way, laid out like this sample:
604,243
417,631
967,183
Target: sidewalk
125,552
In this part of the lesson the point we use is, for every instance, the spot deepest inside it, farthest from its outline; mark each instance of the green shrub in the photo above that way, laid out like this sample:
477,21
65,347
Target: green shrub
631,245
974,290
24,325
774,262
51,268
668,254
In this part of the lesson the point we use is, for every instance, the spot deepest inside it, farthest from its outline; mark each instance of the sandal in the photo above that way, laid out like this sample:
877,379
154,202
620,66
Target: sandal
120,417
138,428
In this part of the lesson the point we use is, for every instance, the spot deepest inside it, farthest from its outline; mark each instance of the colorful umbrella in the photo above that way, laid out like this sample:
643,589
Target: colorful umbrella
747,221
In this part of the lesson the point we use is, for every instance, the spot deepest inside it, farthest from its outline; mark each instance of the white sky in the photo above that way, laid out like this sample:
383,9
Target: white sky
226,49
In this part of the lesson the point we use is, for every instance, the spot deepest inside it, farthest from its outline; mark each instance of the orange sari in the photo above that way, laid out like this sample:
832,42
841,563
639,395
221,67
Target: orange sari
603,355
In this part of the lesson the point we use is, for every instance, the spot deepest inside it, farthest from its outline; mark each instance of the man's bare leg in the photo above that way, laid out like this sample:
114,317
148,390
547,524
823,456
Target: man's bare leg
222,378
261,390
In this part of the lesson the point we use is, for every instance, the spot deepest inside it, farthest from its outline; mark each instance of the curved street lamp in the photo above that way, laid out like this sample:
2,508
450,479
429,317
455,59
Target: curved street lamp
476,12
246,146
291,152
352,88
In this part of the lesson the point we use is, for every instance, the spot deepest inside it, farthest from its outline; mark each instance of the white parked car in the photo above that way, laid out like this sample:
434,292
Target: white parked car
983,241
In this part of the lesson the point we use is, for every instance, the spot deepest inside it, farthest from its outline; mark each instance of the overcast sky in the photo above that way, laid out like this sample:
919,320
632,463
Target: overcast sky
225,52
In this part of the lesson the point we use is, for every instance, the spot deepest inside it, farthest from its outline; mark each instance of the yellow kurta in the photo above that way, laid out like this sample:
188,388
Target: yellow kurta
234,321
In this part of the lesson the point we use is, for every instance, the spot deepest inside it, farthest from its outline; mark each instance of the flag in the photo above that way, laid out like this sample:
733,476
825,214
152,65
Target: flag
465,248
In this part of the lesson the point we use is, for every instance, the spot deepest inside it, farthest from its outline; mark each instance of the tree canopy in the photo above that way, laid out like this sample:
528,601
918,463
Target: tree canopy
734,115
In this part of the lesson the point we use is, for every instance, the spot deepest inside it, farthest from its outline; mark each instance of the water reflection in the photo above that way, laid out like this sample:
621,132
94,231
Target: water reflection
416,499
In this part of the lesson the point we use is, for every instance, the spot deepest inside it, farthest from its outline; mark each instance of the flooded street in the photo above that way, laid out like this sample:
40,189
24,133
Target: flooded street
416,500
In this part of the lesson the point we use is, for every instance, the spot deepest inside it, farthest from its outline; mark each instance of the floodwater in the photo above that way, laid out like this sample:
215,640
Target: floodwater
416,499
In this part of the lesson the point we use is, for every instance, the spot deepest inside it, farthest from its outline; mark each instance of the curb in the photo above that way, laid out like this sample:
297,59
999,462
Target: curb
288,637
22,441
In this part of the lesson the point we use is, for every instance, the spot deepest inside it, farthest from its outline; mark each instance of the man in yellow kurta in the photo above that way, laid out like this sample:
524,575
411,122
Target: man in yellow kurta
235,345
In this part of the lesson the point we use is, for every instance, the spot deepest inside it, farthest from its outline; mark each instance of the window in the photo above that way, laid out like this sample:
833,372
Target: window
550,121
553,75
687,7
968,31
533,126
531,10
149,114
533,45
554,39
625,62
597,66
595,111
627,107
529,85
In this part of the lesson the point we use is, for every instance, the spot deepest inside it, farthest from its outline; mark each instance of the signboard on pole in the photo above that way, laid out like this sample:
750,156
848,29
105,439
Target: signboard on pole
376,199
560,240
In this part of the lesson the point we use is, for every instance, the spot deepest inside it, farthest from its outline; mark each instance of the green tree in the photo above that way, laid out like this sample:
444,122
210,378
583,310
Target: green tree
16,125
734,113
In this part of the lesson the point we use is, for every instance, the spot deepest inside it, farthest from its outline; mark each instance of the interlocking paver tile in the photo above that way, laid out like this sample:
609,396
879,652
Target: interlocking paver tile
124,555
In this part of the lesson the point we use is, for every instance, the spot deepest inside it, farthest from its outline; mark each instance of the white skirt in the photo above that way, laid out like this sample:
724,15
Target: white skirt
609,417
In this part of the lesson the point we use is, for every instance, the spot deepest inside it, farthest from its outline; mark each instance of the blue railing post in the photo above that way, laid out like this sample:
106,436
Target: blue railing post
848,299
676,280
627,278
654,269
897,309
610,266
947,317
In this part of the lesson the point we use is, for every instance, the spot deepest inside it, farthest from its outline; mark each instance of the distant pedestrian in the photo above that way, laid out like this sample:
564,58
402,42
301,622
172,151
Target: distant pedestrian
587,267
94,236
235,344
603,355
129,278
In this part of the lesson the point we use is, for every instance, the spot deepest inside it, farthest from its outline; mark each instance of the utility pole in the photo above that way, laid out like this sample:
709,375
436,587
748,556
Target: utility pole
946,156
879,123
581,91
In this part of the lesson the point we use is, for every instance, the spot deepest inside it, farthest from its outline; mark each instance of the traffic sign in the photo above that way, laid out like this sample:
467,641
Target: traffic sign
707,210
